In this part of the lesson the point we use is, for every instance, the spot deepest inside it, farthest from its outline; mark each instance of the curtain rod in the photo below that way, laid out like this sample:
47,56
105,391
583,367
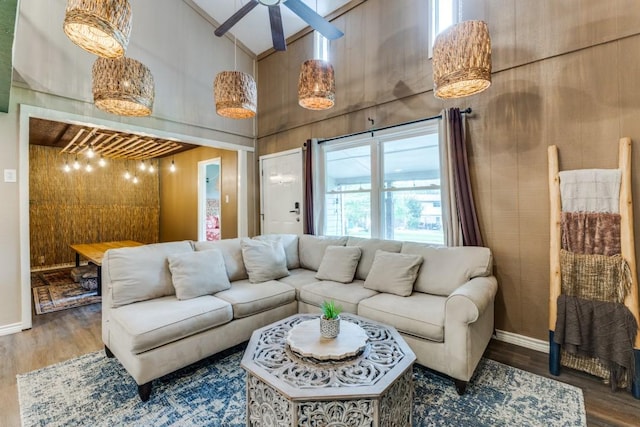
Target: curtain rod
439,116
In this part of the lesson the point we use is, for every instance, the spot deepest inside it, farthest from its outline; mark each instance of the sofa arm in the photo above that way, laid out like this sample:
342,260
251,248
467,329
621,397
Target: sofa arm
467,303
468,325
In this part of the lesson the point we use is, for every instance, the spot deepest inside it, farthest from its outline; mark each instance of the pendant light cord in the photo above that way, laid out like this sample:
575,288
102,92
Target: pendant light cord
235,44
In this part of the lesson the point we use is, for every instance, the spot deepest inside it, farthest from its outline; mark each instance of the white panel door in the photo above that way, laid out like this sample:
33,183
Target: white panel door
281,193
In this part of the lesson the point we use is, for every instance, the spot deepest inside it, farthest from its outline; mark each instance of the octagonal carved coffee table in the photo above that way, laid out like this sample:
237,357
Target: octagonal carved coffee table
373,387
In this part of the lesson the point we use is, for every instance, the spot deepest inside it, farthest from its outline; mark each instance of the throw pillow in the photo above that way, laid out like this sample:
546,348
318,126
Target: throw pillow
339,263
311,249
369,247
232,254
140,273
198,273
264,260
290,244
393,273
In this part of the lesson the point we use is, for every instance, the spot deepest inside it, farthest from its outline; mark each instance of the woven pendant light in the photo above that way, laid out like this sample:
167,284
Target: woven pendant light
123,86
101,27
317,85
235,95
462,60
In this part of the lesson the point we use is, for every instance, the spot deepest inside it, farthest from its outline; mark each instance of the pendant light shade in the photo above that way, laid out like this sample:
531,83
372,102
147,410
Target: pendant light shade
235,95
317,85
462,60
123,86
101,27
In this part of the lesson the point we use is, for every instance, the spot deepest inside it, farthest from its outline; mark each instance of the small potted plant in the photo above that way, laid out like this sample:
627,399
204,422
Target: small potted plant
330,319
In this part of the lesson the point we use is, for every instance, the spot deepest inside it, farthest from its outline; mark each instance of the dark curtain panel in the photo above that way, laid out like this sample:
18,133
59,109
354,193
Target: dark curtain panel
308,188
466,208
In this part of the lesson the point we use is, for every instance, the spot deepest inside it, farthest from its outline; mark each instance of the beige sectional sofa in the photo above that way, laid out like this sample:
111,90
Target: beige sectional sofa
168,305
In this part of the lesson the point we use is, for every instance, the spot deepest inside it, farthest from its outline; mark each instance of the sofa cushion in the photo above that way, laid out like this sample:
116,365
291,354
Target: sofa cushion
369,248
198,273
141,273
298,278
348,295
154,323
248,298
232,254
393,273
446,268
264,260
339,263
311,249
420,315
290,244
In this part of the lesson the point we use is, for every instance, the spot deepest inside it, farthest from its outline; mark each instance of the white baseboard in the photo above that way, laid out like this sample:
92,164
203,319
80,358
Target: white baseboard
10,329
522,341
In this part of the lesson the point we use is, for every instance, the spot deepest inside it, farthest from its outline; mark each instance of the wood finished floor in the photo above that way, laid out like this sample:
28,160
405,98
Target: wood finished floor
59,336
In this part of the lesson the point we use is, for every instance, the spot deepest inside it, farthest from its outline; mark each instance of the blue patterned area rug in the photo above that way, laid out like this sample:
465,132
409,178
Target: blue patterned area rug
93,390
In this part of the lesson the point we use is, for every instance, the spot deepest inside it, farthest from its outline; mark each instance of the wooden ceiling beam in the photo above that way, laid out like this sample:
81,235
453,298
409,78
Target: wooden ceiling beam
165,150
121,143
67,148
144,151
131,150
120,146
86,138
105,142
96,137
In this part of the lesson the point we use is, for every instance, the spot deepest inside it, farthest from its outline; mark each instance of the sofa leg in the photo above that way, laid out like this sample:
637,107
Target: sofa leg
144,391
108,352
461,386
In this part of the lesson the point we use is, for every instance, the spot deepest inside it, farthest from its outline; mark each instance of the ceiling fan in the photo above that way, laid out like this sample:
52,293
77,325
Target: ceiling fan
307,14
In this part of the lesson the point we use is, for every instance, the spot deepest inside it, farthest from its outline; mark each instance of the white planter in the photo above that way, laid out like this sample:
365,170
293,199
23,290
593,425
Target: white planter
329,328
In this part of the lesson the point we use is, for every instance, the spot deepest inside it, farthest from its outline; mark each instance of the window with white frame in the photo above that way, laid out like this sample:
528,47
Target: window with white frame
442,14
385,186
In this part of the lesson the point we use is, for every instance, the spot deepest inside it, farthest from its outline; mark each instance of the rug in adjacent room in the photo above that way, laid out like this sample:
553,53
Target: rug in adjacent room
94,390
56,290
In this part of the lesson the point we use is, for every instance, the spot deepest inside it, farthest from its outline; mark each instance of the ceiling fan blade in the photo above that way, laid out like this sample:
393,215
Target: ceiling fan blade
277,32
233,20
316,21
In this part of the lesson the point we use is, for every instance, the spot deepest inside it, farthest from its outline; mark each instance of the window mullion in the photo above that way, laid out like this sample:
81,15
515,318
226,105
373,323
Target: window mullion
376,177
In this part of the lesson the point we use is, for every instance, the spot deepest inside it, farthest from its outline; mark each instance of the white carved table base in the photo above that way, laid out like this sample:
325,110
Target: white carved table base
285,389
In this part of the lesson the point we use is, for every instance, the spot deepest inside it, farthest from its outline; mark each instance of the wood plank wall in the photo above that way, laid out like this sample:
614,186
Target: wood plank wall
564,73
83,207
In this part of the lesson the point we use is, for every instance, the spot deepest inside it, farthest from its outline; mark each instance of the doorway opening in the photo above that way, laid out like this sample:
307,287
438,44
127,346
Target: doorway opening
27,112
209,203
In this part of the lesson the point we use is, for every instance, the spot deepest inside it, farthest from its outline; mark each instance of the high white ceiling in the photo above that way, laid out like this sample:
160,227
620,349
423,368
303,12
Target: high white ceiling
253,30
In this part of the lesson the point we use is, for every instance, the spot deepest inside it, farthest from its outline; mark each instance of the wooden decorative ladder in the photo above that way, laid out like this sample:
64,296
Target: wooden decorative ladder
627,247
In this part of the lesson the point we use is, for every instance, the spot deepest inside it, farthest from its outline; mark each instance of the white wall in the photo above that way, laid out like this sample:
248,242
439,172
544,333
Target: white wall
168,36
183,54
